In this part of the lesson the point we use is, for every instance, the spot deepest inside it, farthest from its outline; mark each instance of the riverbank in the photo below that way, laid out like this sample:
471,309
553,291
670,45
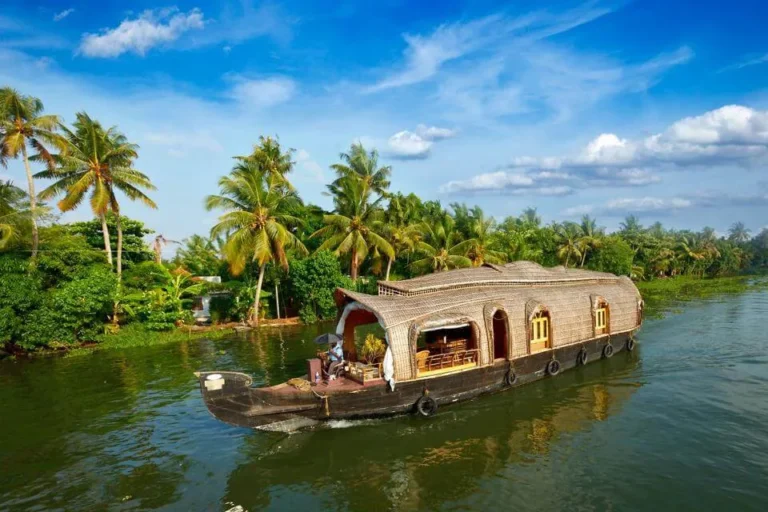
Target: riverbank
663,296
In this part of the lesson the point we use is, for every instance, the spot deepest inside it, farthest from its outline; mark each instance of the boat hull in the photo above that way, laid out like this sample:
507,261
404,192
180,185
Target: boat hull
284,408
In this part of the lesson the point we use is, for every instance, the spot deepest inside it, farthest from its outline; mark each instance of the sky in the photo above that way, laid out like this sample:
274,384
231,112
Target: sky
657,109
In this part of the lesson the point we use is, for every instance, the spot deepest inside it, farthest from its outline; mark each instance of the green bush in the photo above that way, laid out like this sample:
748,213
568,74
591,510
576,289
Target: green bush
313,281
73,312
222,308
614,256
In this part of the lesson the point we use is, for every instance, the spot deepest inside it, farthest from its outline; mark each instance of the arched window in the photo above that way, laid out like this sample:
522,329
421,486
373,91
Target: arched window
540,335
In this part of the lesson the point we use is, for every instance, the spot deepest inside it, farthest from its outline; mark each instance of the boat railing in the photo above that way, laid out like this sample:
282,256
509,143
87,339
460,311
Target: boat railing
448,360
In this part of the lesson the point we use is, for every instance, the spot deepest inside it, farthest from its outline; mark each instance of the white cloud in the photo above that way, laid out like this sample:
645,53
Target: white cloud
305,163
63,14
262,93
152,28
434,132
543,183
624,206
425,55
746,62
730,135
408,145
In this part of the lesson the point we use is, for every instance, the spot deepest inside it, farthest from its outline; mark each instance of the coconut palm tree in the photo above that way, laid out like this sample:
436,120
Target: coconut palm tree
99,161
357,226
530,218
257,221
568,235
22,125
13,212
738,233
480,247
440,246
590,237
271,159
364,165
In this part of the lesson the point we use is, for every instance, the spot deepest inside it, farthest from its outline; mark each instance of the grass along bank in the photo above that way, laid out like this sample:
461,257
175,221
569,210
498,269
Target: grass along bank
664,296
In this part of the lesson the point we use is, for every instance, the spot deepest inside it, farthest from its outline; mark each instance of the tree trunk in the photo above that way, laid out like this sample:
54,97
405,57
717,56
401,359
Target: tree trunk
567,258
32,202
277,301
105,233
255,315
119,246
389,266
583,258
353,269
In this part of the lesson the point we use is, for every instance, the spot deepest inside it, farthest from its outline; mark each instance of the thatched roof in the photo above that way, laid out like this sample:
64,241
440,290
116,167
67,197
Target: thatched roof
519,272
471,296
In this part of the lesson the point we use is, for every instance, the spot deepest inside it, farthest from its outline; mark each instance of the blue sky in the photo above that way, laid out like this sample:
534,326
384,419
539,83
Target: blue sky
608,108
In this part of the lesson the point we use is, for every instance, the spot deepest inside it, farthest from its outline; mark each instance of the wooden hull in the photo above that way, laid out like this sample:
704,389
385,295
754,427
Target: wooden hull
286,408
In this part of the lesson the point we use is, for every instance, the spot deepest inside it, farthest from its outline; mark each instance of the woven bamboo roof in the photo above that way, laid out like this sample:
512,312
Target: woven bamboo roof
516,273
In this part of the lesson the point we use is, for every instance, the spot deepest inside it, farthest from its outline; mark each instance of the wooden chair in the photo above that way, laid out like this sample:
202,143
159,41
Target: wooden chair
421,360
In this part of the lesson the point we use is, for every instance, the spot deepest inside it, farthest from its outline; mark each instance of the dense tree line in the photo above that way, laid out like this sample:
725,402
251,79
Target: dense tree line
268,243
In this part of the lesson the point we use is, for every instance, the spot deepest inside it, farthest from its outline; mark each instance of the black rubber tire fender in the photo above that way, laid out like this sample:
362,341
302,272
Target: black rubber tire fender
510,379
630,345
553,367
426,406
582,357
607,351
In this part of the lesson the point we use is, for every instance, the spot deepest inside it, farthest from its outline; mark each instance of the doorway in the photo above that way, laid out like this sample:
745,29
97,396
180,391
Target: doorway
500,335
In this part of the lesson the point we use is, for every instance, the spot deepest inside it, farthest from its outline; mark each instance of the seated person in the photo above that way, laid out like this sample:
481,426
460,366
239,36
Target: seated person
335,357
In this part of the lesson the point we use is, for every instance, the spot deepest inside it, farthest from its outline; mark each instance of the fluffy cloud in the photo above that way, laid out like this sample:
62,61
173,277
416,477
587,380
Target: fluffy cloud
63,14
730,135
262,93
407,145
150,29
542,183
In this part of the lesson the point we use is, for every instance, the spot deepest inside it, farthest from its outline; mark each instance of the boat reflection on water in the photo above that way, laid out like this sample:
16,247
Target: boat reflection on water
412,463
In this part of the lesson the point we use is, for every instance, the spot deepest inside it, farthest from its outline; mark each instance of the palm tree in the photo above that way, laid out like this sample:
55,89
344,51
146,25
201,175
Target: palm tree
739,233
100,161
530,218
590,237
22,124
157,247
13,212
439,247
270,158
480,247
364,165
568,235
257,222
357,224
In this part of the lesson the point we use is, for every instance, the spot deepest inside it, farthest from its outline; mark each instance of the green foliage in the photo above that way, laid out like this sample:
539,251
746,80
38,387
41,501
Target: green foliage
313,281
145,276
200,256
373,349
614,255
135,250
65,254
73,312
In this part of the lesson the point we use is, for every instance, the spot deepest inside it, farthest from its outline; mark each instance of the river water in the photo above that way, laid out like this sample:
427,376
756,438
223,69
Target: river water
680,424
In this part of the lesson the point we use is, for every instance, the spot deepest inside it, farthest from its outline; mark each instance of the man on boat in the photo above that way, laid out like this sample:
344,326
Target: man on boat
335,357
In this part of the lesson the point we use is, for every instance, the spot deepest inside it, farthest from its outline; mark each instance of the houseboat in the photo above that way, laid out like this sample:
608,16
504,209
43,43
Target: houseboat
449,337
